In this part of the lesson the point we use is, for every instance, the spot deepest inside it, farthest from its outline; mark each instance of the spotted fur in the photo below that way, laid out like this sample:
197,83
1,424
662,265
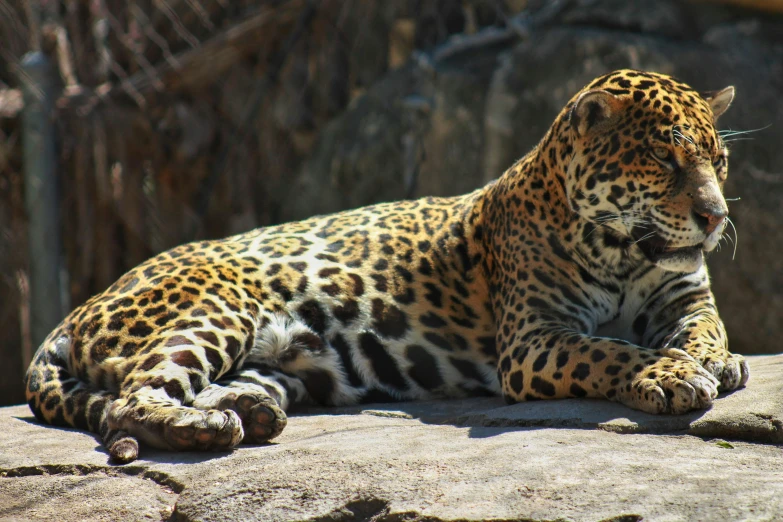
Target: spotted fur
578,273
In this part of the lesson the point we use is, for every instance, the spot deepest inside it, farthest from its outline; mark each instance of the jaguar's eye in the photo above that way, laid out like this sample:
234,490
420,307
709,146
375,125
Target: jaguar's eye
662,153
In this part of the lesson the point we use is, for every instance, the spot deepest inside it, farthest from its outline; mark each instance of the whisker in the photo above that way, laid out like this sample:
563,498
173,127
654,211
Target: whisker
729,132
651,234
737,139
593,231
736,237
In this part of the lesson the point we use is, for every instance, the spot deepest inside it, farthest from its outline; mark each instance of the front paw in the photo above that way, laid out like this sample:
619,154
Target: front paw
671,385
732,372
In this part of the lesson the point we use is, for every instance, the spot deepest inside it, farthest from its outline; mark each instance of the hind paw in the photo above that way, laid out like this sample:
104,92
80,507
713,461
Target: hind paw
262,418
204,430
174,427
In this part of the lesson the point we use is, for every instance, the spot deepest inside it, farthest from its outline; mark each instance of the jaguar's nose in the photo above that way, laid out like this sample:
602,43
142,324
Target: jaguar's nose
709,218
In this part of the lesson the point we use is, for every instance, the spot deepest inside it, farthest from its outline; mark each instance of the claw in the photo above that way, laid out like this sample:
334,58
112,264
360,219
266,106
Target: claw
676,354
745,372
735,373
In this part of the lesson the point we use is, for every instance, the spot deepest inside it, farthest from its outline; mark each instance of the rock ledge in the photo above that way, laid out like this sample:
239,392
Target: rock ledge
449,460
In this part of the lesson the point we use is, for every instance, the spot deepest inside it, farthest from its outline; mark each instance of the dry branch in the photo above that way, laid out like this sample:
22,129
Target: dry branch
188,69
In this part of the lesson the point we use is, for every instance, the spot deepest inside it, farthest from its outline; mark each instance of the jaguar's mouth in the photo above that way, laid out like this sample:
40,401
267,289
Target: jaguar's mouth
657,249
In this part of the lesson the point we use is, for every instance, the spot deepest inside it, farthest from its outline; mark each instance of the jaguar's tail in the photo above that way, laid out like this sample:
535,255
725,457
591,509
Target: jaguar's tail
56,396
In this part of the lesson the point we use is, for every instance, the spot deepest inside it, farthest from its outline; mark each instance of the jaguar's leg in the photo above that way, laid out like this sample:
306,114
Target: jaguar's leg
288,364
156,396
699,331
259,394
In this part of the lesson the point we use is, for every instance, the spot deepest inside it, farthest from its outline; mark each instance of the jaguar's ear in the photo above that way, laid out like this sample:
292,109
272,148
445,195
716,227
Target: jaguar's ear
594,108
719,100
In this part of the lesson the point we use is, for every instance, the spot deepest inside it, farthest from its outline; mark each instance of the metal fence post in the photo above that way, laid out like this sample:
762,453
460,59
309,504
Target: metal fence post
41,194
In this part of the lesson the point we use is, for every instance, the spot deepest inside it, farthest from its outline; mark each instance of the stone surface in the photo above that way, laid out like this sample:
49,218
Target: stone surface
448,460
83,493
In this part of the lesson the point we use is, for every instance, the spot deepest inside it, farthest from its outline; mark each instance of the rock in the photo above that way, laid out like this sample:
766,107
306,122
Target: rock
488,104
359,158
468,460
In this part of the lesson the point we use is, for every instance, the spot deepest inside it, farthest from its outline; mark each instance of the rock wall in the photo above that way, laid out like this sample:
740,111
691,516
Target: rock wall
444,125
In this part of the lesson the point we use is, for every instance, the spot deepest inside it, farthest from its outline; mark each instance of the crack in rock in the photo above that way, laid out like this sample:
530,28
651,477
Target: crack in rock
777,424
371,508
378,510
614,426
478,421
159,478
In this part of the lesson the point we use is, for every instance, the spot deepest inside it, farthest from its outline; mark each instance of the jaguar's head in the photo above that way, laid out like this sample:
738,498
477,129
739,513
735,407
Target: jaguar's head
649,164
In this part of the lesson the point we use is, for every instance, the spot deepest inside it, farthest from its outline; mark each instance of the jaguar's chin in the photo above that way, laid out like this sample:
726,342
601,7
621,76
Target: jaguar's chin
687,259
673,258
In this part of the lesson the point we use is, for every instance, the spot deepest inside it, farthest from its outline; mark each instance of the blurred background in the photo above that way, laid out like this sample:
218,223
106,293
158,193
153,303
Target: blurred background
131,126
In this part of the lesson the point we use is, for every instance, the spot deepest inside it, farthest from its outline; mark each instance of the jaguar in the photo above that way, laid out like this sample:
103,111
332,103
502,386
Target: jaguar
577,273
